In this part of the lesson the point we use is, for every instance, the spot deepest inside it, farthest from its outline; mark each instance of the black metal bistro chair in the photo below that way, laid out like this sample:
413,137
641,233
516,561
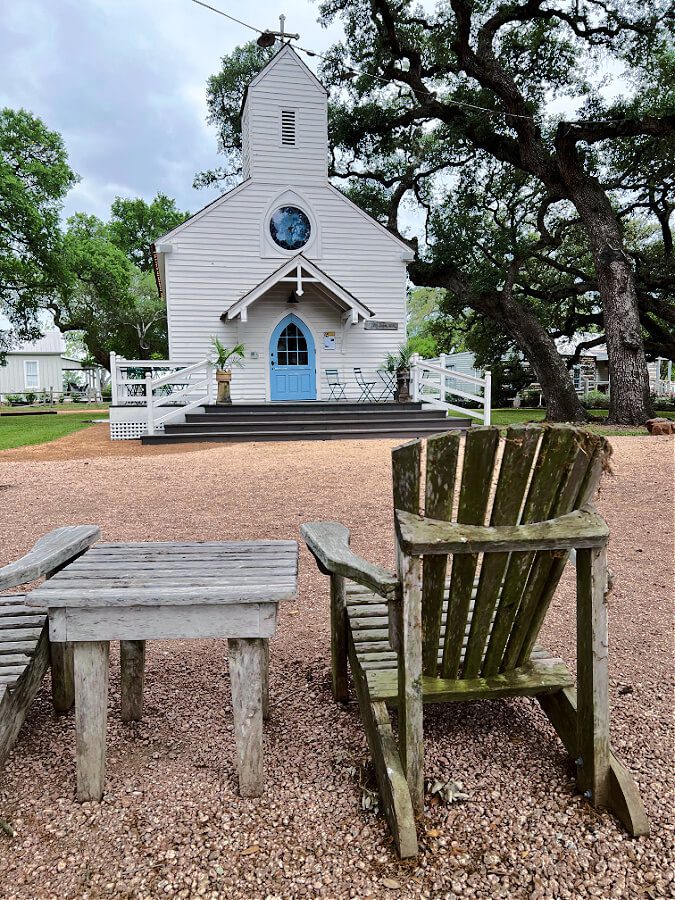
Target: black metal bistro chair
367,395
388,391
335,386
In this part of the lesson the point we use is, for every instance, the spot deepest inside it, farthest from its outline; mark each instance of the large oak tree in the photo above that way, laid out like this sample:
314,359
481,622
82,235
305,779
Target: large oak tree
416,92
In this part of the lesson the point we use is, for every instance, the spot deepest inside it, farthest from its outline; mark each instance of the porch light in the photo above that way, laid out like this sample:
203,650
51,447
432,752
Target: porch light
293,297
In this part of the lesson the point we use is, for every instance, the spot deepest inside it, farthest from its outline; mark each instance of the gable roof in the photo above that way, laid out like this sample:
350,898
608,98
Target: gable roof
317,277
286,50
50,342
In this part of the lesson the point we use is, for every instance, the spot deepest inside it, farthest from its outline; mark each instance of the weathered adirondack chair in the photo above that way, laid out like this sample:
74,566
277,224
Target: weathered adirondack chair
418,637
25,650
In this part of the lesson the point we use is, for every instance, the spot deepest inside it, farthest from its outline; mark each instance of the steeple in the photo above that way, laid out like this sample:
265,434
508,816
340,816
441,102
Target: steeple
285,123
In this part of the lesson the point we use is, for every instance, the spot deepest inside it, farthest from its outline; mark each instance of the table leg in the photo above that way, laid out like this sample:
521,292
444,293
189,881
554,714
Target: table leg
132,668
246,659
91,707
266,680
63,687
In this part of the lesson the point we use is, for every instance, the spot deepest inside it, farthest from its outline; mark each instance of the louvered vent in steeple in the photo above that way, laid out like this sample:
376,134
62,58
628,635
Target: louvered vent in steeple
288,127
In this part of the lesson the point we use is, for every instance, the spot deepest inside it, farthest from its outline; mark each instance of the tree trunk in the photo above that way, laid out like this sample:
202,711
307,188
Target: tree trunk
562,401
524,328
629,401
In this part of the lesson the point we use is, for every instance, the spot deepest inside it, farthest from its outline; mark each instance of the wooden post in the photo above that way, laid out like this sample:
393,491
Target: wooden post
63,686
266,680
410,727
91,707
149,405
246,659
338,638
487,399
444,384
592,675
209,383
113,379
132,672
415,372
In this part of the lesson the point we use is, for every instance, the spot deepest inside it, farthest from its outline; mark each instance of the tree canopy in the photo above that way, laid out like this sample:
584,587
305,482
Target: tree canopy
134,225
94,278
545,222
34,179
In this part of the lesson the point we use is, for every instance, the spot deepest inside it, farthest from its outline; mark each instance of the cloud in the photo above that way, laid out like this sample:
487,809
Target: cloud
124,82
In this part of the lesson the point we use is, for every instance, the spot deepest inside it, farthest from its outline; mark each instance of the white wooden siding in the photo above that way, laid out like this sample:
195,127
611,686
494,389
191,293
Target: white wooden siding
286,84
12,376
216,260
224,252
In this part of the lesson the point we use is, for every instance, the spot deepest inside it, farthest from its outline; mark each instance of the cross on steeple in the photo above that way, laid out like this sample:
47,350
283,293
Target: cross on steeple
267,38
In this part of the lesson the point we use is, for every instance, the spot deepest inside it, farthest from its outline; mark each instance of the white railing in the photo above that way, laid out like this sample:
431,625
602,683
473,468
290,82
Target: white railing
432,380
661,387
182,387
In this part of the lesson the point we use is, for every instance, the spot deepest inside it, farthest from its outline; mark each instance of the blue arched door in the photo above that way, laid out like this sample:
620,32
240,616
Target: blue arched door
292,361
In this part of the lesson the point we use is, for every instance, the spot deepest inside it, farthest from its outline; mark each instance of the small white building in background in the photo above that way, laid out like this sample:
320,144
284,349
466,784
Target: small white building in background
284,263
41,368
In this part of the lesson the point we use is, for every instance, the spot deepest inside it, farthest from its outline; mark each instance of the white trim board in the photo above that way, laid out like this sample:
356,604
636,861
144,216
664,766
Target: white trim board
358,310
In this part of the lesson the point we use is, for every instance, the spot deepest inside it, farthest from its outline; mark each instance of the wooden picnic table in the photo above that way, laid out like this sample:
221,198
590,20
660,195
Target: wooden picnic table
133,592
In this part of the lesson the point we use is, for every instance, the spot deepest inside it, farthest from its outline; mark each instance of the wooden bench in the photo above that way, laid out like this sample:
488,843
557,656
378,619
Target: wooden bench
25,652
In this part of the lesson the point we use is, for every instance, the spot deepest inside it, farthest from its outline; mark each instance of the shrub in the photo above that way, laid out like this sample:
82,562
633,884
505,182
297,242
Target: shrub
106,393
596,400
530,398
15,399
666,404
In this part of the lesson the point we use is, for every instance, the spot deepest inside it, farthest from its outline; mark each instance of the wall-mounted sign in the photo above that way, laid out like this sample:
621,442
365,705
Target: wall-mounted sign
375,325
329,340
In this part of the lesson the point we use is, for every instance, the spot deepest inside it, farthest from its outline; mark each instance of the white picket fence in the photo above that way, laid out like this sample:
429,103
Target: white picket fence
432,380
156,384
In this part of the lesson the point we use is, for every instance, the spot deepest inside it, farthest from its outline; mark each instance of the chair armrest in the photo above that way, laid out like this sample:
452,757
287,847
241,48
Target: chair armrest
50,552
419,536
329,544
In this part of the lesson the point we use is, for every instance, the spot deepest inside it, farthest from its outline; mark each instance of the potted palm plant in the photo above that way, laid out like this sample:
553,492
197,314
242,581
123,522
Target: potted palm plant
224,359
399,363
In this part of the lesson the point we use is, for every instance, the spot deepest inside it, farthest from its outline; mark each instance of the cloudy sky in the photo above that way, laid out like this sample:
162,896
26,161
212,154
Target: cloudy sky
124,82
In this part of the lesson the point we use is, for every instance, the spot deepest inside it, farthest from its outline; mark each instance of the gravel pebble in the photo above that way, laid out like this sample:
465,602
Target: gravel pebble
172,824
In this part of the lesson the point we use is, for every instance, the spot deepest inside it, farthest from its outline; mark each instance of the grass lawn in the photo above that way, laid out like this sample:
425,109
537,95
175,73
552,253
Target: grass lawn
60,408
515,416
20,431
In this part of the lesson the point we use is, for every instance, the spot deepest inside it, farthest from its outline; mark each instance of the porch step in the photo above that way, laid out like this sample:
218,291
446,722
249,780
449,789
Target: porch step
327,421
221,434
308,407
310,421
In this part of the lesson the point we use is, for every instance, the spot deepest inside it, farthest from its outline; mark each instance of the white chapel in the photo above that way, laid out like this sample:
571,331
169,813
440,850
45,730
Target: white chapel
284,263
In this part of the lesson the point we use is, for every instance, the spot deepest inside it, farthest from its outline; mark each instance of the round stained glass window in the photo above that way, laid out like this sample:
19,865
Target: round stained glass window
290,227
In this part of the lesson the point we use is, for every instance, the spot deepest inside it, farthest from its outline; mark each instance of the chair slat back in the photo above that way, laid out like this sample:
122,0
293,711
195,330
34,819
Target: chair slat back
405,464
520,448
584,471
441,469
545,471
480,449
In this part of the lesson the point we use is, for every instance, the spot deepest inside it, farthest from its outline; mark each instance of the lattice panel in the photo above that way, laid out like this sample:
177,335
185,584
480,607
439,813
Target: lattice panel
130,431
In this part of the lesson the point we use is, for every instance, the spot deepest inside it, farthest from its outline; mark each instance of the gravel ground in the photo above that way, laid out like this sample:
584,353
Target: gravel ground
172,824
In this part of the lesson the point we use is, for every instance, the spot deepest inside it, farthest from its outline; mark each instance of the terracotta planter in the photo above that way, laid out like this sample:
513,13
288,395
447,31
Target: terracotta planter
403,385
223,379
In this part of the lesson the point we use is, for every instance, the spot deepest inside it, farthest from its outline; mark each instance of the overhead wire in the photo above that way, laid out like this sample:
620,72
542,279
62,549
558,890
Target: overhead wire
352,71
392,81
